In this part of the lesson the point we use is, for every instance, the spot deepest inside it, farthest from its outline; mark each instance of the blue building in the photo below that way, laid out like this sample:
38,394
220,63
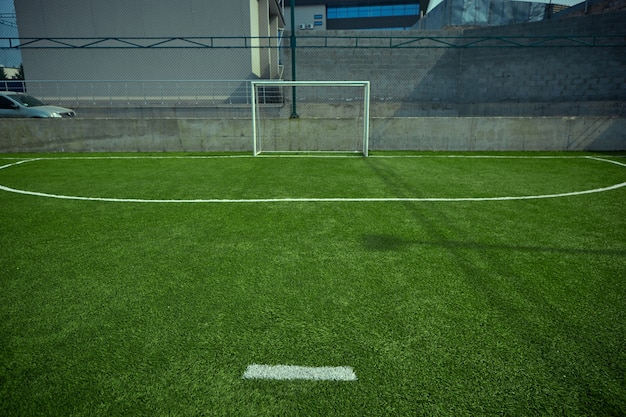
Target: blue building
355,14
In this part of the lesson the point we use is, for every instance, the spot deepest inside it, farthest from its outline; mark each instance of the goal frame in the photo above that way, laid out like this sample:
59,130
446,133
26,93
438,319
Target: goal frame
256,149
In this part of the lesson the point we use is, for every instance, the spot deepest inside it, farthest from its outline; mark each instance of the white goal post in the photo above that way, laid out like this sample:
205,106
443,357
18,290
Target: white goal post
332,116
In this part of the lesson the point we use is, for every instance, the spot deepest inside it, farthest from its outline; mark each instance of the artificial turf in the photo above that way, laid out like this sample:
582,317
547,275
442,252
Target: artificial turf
441,308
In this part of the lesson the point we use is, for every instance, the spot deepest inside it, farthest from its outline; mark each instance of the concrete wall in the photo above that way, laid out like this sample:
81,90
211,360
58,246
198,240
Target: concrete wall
404,133
558,78
124,135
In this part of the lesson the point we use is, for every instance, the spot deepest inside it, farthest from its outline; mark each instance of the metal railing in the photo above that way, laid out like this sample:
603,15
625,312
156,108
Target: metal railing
427,42
138,93
13,85
320,41
178,42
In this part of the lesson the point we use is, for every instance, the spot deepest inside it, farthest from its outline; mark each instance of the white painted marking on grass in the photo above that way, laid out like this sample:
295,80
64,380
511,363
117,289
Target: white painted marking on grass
291,372
317,199
606,160
18,163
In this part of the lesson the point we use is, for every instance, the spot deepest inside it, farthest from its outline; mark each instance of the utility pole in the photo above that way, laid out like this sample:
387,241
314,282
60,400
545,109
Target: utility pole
294,114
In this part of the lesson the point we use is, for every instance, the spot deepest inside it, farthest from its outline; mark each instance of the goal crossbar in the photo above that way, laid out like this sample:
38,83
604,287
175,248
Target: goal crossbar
255,84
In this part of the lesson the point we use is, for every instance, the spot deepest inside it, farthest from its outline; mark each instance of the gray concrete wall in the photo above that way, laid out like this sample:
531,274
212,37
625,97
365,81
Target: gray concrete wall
124,135
500,133
403,133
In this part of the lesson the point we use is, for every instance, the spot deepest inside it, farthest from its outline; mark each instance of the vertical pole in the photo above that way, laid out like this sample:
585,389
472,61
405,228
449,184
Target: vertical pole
254,110
366,116
294,114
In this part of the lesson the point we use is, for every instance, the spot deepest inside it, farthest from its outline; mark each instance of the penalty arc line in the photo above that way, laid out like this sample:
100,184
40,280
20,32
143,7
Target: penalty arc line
305,199
317,199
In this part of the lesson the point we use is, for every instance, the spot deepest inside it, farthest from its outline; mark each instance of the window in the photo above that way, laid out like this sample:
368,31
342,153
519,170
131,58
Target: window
411,9
5,103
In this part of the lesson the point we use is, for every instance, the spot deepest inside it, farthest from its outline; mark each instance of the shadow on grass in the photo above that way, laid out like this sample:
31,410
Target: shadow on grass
529,320
388,242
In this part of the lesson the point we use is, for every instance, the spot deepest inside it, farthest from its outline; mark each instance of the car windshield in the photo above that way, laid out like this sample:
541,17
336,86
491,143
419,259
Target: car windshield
28,101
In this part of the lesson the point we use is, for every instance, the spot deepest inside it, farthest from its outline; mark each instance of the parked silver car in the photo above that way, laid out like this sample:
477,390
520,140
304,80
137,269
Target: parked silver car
13,104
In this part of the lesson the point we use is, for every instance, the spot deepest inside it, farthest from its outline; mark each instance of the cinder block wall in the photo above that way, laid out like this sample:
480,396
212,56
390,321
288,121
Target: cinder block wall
552,80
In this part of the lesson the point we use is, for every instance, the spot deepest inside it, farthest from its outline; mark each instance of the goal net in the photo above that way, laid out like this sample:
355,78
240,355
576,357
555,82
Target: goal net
310,116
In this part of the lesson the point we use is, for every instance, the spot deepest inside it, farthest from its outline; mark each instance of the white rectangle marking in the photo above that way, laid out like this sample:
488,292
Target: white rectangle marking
290,372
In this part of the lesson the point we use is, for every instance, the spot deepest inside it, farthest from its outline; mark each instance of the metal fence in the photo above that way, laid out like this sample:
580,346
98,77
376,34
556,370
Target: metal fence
138,93
191,55
391,59
414,73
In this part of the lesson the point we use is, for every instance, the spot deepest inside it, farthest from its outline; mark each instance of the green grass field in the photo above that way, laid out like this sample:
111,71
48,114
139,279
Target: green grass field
452,286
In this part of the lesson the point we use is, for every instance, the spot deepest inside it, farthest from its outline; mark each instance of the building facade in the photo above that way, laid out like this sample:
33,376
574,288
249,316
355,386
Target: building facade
355,14
149,39
457,13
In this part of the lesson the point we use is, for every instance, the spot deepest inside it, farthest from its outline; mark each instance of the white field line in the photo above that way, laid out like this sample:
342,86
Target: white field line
308,155
291,372
316,200
18,163
312,199
303,155
606,160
